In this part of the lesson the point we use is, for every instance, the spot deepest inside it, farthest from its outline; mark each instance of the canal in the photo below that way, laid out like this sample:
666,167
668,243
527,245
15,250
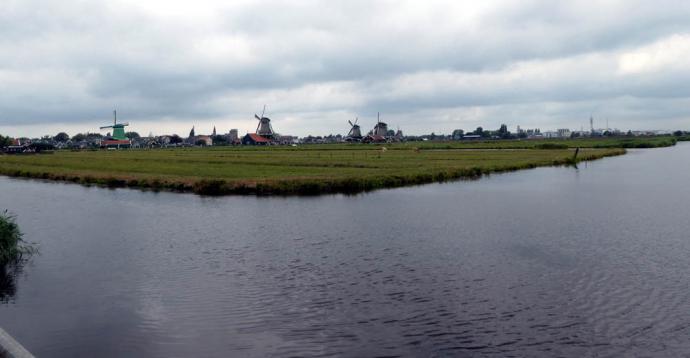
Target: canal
544,262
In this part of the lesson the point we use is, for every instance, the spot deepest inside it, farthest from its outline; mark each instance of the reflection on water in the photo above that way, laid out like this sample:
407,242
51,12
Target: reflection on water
8,286
544,262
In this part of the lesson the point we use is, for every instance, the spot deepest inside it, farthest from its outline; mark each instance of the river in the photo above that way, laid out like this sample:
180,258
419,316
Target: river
546,262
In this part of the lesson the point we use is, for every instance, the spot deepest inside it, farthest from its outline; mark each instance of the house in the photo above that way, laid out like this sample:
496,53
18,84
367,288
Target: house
115,143
255,139
374,138
233,137
287,139
472,137
15,149
207,140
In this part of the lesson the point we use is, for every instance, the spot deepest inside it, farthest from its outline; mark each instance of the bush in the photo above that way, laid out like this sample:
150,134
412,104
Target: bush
210,187
12,246
552,146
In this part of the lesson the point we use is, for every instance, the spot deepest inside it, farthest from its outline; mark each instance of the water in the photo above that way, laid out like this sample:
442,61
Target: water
545,262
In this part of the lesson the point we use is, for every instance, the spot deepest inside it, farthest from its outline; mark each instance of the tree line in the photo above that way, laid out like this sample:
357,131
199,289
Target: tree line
5,141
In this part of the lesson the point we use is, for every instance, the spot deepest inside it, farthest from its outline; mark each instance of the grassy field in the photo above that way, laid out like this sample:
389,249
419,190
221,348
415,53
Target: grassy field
283,170
615,142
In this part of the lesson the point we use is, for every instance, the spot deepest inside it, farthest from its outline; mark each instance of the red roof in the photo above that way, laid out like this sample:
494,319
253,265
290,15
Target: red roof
374,138
114,142
257,138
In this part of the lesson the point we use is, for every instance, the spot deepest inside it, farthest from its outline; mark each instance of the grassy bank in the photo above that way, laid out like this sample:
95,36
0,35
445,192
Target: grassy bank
613,142
282,170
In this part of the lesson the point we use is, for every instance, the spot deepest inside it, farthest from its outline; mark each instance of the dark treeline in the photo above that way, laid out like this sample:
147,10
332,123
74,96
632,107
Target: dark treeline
62,139
5,141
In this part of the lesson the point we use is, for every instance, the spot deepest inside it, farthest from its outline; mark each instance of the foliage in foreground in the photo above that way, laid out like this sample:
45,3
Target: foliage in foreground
12,247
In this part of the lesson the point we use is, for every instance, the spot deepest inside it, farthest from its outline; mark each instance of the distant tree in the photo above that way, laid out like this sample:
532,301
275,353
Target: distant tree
200,142
79,137
575,135
481,132
174,139
61,137
390,133
503,132
5,141
132,135
219,140
458,134
522,135
629,134
41,146
678,133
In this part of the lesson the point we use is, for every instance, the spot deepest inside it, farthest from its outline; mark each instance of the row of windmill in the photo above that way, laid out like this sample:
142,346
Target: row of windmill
379,132
265,130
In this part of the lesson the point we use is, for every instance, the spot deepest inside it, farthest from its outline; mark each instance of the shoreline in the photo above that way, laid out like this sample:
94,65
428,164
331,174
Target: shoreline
301,186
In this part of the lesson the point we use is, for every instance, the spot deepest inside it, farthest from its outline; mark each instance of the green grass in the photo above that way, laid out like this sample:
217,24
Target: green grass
12,246
614,142
283,170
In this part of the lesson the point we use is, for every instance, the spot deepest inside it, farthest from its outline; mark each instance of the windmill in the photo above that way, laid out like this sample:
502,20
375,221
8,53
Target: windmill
264,128
355,133
118,128
399,134
380,128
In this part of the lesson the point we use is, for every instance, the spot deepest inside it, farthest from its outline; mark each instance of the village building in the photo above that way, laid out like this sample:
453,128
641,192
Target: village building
255,139
203,140
233,136
374,138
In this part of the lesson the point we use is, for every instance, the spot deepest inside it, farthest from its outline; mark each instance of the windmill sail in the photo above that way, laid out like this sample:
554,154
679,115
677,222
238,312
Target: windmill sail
355,132
381,128
118,128
264,128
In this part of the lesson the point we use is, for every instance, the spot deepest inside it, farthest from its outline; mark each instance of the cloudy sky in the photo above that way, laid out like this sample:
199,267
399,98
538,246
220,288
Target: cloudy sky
425,65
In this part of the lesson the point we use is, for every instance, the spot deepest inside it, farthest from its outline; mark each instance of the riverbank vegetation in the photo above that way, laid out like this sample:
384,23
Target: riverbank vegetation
12,247
284,169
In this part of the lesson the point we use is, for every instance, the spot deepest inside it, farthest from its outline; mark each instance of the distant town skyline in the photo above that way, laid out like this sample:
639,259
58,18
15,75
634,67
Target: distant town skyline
427,67
167,128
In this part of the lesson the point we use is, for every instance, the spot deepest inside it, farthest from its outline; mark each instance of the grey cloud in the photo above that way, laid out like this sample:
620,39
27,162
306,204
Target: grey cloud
95,56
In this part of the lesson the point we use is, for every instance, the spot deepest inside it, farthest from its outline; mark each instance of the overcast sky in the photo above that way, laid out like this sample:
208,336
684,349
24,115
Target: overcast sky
425,65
